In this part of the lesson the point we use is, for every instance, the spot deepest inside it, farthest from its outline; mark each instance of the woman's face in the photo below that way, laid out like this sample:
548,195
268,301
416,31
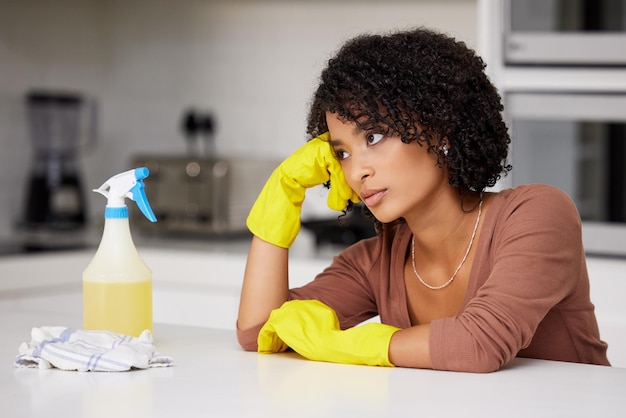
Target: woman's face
393,179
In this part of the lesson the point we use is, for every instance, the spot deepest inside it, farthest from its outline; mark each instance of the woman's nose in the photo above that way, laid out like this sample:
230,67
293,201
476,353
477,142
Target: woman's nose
359,170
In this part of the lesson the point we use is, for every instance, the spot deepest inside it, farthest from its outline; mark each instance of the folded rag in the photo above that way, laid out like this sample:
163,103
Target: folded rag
75,349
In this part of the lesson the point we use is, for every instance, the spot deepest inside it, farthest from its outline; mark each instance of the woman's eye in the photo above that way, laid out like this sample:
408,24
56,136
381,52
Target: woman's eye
341,155
374,138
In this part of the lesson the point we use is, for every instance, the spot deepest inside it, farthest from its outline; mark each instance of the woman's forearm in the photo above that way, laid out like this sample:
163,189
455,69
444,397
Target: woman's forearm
410,347
265,284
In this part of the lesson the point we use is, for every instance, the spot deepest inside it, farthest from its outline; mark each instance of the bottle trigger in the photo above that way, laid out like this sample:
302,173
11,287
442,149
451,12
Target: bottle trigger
139,196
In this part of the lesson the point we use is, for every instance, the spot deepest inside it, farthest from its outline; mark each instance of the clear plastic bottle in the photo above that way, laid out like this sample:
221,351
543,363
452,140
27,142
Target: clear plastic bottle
117,283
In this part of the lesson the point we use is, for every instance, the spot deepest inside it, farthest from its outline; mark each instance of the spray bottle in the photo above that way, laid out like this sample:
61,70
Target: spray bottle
117,284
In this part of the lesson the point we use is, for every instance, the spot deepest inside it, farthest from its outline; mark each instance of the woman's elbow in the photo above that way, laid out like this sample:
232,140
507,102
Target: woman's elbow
486,366
247,338
480,363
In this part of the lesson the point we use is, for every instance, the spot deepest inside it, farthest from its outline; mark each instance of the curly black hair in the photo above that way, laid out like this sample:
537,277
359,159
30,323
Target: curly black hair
423,86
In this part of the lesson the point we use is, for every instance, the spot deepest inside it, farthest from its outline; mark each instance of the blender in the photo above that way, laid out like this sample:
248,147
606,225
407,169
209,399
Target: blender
55,207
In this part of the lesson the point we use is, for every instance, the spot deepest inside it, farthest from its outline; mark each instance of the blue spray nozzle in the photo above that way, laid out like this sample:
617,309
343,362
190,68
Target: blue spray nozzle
139,196
128,184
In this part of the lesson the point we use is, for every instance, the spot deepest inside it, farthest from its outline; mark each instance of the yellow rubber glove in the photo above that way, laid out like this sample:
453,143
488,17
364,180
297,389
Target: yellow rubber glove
311,329
275,216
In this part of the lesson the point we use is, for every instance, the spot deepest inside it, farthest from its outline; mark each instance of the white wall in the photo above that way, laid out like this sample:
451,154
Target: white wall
253,63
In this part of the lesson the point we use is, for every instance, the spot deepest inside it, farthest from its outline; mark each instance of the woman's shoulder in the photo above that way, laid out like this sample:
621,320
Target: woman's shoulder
526,191
541,205
542,197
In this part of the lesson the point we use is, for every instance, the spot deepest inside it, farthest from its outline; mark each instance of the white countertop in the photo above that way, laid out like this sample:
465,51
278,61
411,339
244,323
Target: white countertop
214,377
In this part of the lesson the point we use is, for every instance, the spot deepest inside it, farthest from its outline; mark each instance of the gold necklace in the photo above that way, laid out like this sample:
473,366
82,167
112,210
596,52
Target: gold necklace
469,247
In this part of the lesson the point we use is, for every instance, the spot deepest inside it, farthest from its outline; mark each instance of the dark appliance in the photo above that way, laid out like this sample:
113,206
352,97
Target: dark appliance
54,213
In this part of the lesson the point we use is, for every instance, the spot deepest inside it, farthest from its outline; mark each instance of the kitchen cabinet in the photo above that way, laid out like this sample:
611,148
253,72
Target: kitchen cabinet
190,287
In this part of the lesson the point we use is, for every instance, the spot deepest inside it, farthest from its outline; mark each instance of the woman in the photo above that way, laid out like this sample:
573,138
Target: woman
463,279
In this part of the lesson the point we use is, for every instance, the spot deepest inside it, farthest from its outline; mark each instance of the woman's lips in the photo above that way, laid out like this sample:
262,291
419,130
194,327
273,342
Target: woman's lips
372,197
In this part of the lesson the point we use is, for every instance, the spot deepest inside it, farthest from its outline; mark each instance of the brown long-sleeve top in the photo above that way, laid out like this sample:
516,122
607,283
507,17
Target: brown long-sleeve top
528,292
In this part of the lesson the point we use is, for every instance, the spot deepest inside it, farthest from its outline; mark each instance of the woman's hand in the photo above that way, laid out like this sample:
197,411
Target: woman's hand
275,216
311,329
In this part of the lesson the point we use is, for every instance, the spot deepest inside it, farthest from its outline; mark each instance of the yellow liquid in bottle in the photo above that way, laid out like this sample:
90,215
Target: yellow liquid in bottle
122,307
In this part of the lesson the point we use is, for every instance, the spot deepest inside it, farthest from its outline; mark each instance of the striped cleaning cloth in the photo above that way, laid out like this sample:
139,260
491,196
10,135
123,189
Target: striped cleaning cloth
75,349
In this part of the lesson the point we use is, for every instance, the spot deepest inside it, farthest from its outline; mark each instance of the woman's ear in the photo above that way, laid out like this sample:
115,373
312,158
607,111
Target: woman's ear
445,147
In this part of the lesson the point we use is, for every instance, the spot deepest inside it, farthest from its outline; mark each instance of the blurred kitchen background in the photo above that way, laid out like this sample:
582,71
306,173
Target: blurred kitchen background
212,94
90,88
